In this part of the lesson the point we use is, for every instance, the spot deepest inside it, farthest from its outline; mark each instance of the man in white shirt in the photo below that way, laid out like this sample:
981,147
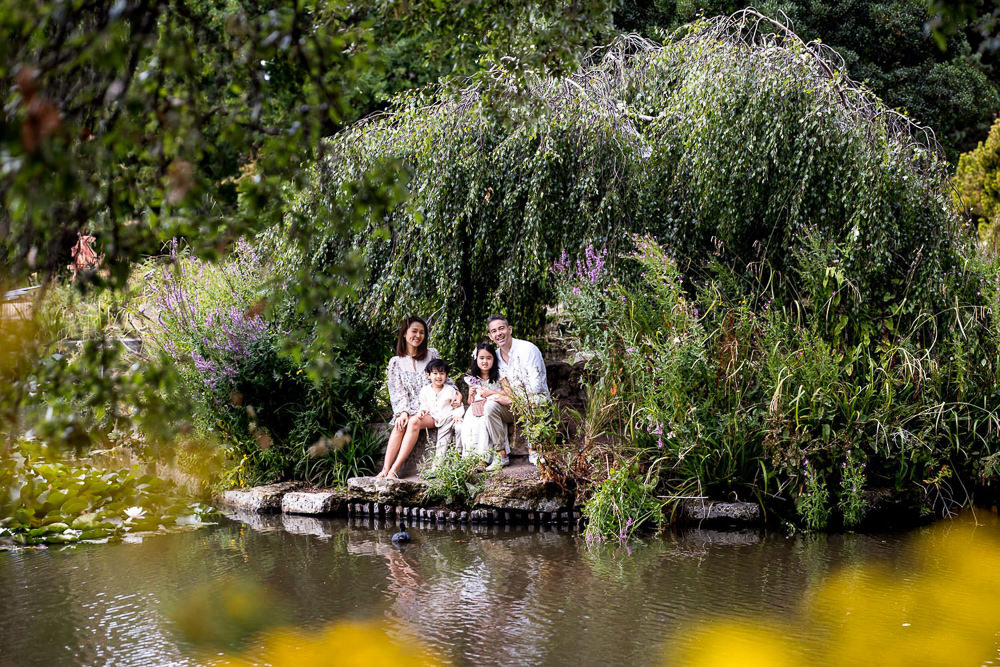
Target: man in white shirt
522,364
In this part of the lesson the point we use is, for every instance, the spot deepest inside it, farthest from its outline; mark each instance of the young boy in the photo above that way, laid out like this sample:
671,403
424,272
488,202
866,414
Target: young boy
435,400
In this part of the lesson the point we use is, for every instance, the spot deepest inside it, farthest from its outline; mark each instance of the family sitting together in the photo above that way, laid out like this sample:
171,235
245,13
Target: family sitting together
423,396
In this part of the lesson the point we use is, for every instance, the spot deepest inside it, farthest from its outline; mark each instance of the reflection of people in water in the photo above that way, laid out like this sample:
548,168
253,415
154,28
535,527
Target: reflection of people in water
461,589
404,581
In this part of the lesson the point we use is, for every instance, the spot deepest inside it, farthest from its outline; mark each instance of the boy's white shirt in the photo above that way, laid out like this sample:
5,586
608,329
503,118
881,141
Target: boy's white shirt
438,405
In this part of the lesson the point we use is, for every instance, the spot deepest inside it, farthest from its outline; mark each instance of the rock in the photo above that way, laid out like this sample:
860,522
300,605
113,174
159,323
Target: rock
259,499
394,491
564,383
707,512
314,502
517,493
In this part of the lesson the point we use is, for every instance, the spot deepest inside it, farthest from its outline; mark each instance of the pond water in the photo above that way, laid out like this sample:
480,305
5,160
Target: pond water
497,595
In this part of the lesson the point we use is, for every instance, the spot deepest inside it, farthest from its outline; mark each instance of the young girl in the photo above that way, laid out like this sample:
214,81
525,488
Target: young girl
483,430
436,401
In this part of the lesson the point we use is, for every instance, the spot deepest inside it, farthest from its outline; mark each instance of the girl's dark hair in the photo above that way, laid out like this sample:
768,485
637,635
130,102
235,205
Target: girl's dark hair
436,365
401,338
494,370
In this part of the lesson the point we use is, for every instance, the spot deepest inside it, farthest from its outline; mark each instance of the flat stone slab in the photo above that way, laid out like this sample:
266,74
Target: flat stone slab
408,491
528,493
259,499
326,501
698,511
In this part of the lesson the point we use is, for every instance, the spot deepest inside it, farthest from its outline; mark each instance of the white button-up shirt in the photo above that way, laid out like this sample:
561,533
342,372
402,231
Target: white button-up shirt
525,369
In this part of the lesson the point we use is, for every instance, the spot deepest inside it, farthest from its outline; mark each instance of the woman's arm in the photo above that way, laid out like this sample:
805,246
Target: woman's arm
397,392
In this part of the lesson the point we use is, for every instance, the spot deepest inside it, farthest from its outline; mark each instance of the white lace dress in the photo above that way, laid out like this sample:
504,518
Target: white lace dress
405,378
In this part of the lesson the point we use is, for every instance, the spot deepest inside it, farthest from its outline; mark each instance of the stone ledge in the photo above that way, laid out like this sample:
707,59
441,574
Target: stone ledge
715,513
523,493
326,501
259,499
386,491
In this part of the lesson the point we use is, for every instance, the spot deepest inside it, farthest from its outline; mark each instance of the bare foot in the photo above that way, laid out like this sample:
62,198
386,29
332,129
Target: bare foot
381,475
392,475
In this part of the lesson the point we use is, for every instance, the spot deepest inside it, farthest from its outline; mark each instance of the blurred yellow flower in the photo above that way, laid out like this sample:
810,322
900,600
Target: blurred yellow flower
945,613
342,644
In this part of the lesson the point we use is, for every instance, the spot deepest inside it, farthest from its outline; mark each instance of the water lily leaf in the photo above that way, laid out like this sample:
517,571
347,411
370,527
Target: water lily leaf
75,506
56,498
85,521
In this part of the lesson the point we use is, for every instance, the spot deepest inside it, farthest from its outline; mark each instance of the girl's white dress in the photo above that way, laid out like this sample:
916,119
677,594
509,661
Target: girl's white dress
481,435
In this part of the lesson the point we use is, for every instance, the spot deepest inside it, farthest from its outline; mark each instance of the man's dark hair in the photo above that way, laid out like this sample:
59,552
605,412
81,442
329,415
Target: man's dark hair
436,365
494,371
491,318
401,338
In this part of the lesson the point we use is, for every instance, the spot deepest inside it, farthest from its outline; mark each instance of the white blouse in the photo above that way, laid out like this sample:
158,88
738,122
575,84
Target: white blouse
405,378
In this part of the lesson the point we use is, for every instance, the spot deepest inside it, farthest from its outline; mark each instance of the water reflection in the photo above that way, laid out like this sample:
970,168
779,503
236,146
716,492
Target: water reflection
478,595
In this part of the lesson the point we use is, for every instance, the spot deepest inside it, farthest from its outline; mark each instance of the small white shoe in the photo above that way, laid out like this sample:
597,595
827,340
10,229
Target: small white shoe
497,463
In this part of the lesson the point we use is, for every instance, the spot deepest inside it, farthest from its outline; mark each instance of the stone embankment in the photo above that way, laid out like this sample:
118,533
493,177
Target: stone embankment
515,496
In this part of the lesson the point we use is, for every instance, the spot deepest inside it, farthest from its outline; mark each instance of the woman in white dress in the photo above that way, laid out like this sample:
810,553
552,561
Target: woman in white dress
406,377
480,434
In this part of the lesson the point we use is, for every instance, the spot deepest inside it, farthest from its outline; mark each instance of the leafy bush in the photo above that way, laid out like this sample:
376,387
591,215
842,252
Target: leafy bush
732,392
621,505
977,187
456,479
266,404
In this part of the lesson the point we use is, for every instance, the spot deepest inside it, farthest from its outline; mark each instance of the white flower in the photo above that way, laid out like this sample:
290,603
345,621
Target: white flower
133,513
677,340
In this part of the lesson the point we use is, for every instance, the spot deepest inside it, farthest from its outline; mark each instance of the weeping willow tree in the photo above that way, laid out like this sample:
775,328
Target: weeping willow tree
736,144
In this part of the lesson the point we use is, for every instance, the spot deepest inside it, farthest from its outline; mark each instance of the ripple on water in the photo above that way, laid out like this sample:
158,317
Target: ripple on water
480,596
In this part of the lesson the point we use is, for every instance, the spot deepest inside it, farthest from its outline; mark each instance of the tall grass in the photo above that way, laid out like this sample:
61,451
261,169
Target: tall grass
729,389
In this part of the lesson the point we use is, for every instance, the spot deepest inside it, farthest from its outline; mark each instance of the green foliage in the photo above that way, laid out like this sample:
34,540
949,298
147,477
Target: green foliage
47,501
852,504
884,43
333,461
621,505
456,480
734,391
813,502
264,404
977,187
726,141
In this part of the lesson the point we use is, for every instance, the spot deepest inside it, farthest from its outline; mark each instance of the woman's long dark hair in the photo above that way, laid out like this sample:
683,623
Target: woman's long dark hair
401,338
494,370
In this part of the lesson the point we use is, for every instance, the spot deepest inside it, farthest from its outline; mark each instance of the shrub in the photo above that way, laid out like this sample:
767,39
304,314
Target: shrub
267,405
621,505
456,480
728,391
